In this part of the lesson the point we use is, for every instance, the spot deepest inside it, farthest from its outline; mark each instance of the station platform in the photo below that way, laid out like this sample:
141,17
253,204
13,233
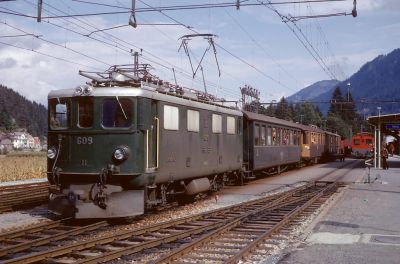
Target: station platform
361,226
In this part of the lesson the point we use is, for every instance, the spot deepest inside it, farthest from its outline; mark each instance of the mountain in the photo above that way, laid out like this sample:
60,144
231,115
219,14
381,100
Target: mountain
377,81
18,112
313,91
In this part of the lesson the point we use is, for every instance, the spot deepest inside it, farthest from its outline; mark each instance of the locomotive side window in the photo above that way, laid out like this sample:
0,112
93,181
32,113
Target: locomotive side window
85,112
216,123
171,117
368,141
59,113
117,112
357,141
230,125
193,120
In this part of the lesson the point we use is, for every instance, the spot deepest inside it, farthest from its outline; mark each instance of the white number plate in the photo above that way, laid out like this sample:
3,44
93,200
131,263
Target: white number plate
84,140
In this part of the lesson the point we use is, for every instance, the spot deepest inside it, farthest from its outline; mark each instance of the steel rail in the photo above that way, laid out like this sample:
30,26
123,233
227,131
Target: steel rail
279,225
23,195
185,226
61,232
178,253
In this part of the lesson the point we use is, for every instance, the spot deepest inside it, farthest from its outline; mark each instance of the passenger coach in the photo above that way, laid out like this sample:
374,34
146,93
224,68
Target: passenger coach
270,144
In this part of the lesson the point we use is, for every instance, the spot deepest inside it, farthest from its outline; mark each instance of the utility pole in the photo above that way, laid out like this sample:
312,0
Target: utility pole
39,10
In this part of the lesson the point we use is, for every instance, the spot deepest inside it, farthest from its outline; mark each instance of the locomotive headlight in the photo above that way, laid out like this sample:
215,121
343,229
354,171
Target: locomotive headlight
78,90
121,153
51,153
87,90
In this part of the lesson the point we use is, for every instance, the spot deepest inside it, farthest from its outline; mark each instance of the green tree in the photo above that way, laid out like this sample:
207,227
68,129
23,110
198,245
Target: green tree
336,102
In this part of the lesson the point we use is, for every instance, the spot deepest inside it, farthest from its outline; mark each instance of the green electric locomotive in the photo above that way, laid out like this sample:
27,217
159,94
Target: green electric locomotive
127,141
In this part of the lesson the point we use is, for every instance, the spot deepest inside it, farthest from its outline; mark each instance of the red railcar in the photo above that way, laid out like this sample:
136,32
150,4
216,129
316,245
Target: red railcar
362,145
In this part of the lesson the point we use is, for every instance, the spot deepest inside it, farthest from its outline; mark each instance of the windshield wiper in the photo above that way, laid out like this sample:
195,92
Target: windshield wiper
123,112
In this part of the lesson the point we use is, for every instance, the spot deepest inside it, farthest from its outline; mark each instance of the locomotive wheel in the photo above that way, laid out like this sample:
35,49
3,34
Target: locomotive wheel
240,178
184,199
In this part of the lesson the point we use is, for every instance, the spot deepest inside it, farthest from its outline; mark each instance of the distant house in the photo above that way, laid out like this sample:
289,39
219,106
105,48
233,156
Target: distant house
36,143
6,143
22,140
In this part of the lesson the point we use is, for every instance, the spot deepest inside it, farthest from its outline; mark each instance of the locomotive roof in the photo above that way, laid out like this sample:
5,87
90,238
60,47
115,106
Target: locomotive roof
149,92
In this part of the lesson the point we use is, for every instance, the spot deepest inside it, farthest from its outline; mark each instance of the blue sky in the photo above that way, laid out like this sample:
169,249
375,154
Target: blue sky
263,52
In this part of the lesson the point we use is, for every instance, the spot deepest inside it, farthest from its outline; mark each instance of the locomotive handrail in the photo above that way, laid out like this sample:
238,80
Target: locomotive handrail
158,141
157,146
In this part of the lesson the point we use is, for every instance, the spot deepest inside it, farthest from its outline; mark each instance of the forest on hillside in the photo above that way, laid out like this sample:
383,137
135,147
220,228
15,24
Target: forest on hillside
342,117
18,112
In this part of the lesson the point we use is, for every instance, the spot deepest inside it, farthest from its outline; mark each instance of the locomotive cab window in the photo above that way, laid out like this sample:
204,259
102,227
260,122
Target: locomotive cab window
59,110
117,112
85,112
356,141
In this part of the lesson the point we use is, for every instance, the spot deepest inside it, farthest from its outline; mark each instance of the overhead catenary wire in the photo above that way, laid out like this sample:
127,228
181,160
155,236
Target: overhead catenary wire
118,45
230,53
48,55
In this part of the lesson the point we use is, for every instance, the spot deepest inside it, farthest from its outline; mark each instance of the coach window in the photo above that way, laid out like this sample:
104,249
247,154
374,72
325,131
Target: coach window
295,138
117,112
291,137
262,137
230,125
171,117
59,111
305,137
269,136
273,136
216,123
193,121
85,112
256,134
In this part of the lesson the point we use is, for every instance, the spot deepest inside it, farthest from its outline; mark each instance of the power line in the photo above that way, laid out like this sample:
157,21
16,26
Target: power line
261,47
56,44
48,55
296,30
181,7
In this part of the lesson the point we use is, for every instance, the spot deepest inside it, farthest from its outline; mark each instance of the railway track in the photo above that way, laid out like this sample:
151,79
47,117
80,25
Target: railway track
256,220
21,196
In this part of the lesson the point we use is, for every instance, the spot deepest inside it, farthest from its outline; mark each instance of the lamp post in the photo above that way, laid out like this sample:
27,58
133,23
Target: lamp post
379,137
348,91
